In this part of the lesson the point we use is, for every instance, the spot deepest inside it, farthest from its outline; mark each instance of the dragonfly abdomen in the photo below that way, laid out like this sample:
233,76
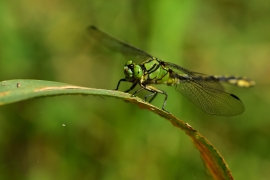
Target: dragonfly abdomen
237,81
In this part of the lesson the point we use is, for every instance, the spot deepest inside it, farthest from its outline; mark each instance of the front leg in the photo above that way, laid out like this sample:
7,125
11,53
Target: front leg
132,87
119,83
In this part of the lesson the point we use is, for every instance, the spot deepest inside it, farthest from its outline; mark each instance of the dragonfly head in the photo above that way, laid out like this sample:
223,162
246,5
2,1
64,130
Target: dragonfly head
132,71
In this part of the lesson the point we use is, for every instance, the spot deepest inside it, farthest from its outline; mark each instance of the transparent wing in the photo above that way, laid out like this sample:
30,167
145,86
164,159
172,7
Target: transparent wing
209,99
117,45
201,79
206,92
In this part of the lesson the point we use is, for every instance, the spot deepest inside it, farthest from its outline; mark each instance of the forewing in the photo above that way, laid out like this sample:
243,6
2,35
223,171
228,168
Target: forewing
117,45
210,100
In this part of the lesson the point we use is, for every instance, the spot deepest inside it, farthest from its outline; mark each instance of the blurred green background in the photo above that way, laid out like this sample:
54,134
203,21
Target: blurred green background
86,137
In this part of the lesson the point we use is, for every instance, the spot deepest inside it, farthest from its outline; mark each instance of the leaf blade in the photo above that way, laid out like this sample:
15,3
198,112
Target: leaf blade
12,91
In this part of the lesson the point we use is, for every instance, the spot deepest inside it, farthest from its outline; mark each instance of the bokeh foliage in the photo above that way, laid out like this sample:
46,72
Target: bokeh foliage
108,139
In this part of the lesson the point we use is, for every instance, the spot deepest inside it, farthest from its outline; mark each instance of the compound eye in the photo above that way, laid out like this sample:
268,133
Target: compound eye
137,72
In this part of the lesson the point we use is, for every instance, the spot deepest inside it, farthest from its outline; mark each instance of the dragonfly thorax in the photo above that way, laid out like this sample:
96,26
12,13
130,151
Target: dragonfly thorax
132,71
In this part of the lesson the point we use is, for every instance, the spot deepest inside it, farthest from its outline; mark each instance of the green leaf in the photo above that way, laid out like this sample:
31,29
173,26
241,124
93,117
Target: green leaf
12,91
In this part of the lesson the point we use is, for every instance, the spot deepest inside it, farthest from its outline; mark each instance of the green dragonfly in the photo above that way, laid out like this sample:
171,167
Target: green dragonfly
205,91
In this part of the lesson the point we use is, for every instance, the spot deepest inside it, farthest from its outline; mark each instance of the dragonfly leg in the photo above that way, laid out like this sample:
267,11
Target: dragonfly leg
132,87
165,100
154,93
148,95
142,88
119,83
153,98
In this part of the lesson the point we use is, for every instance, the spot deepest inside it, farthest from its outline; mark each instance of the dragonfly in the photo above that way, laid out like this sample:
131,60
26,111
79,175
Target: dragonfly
205,91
